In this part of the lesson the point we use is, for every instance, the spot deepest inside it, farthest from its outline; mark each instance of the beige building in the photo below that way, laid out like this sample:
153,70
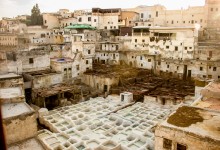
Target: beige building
8,39
193,127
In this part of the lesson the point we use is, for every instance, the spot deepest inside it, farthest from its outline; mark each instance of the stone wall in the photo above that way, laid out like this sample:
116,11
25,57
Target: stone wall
191,141
19,128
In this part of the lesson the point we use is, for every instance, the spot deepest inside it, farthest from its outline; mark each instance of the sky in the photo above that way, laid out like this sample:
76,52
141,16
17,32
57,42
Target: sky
12,8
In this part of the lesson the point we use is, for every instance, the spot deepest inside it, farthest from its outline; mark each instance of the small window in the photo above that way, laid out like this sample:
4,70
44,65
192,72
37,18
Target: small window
180,147
89,52
214,68
184,21
31,60
77,67
94,20
167,144
80,19
141,58
168,66
201,68
143,40
176,48
89,19
135,40
142,15
87,62
185,48
211,9
149,60
167,47
156,13
159,63
172,22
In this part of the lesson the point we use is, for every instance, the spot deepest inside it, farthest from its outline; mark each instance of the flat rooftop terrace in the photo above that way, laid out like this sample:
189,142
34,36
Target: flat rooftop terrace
41,72
196,121
9,76
15,109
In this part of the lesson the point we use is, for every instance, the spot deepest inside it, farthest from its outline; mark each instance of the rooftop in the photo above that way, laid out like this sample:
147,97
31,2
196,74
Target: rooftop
61,60
52,90
9,76
41,72
80,26
15,109
196,121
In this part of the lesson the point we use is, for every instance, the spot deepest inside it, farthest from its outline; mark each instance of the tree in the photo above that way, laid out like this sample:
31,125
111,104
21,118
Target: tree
36,17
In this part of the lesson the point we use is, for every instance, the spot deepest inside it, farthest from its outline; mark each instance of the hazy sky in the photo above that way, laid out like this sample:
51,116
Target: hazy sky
12,8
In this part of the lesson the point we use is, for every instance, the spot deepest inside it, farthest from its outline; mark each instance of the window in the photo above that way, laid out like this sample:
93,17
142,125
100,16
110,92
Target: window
192,21
172,22
77,67
141,58
159,63
167,47
201,68
89,52
185,48
211,9
87,62
201,20
143,40
149,60
135,40
156,13
167,144
149,16
184,21
168,66
214,68
105,27
45,21
177,68
80,19
31,60
116,47
180,147
94,20
142,15
89,19
176,48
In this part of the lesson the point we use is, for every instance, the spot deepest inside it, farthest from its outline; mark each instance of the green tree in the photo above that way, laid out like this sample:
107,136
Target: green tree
36,17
